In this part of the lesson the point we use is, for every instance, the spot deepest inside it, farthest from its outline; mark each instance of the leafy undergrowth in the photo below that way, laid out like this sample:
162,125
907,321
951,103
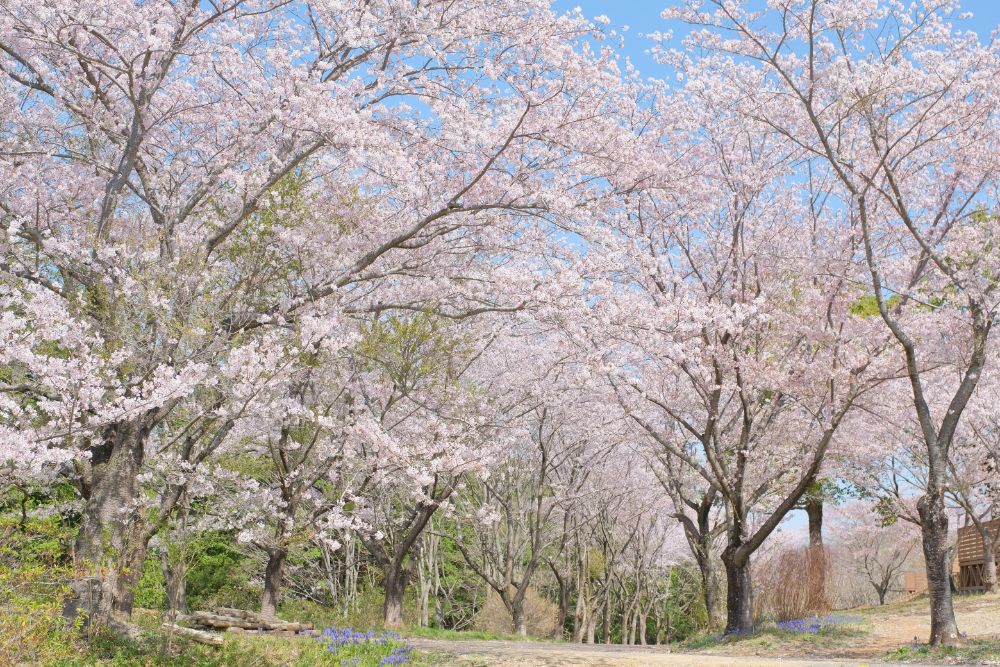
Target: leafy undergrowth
32,632
34,572
818,635
972,651
332,648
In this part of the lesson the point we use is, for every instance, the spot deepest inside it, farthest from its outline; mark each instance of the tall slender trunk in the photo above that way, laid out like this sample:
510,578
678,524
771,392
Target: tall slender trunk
560,628
350,573
990,565
425,596
710,589
934,534
989,537
578,621
739,593
580,617
580,612
174,579
590,636
707,566
817,599
643,617
272,582
606,620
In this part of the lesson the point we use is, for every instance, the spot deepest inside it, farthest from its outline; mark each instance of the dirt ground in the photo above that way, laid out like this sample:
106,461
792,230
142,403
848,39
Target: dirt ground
542,654
881,630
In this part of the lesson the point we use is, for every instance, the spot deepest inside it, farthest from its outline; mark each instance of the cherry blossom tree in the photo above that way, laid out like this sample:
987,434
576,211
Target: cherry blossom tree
722,315
435,430
898,108
146,156
879,553
697,506
304,437
555,429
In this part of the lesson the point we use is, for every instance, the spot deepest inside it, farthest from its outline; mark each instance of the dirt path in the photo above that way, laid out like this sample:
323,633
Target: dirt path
978,617
542,654
881,630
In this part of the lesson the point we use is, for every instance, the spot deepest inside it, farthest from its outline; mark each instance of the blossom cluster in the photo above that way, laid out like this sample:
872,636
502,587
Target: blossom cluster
816,625
342,641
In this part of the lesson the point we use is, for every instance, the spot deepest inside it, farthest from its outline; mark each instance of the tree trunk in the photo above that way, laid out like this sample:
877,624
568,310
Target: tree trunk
272,582
707,566
425,598
934,534
517,617
173,578
739,593
814,510
642,628
108,545
579,617
395,589
710,589
990,561
560,629
580,612
817,566
606,621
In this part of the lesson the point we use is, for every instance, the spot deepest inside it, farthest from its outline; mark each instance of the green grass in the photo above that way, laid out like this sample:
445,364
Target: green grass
975,651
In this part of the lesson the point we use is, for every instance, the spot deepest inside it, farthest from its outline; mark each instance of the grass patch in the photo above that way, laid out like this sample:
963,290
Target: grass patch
976,651
819,634
466,635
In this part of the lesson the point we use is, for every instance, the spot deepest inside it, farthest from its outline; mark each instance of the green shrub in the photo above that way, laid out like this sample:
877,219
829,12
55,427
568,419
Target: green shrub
219,575
151,591
34,573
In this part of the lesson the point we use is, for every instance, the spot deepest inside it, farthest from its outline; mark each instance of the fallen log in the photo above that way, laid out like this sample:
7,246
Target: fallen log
243,619
196,635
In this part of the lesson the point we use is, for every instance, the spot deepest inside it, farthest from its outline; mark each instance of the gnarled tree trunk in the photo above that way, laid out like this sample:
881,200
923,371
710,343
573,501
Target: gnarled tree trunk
110,546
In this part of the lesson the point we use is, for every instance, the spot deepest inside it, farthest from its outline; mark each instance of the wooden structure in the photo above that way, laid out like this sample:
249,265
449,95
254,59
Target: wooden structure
915,582
970,557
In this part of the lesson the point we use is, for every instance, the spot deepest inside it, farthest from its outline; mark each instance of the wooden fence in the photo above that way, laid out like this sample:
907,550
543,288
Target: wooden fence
970,557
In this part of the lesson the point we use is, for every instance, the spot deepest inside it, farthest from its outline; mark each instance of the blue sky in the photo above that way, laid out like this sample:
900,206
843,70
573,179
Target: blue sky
643,16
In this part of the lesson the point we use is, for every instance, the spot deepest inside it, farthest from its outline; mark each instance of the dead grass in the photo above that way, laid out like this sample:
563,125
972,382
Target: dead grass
889,631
